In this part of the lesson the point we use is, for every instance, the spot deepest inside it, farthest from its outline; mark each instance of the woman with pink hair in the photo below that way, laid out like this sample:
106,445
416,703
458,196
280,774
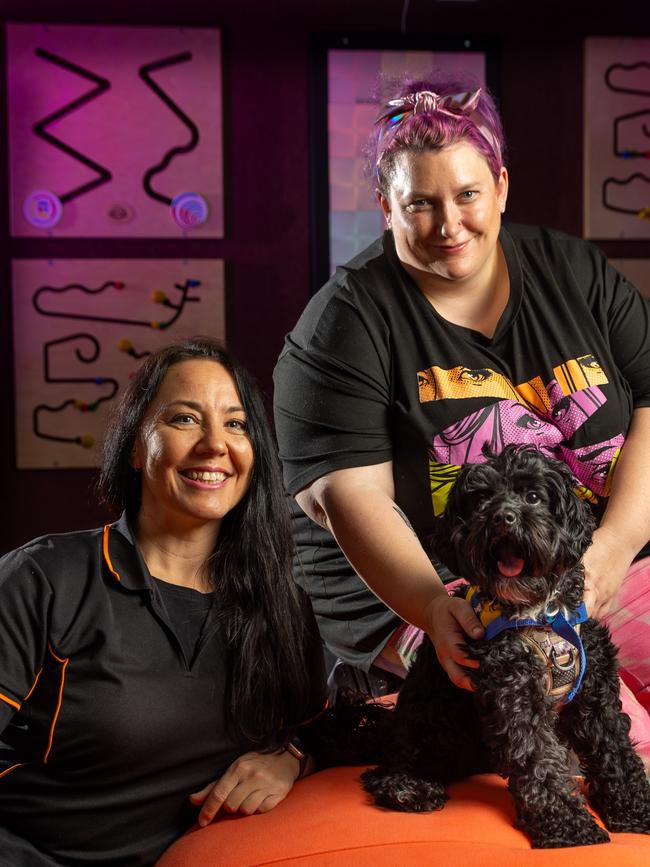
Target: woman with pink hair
451,332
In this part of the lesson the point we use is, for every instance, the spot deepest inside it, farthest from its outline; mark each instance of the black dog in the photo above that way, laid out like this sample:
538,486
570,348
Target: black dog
515,527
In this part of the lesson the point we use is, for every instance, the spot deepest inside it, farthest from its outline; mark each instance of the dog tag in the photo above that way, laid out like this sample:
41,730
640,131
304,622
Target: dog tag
551,612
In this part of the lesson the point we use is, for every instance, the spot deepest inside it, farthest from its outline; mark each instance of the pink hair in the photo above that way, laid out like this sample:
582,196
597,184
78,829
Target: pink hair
431,130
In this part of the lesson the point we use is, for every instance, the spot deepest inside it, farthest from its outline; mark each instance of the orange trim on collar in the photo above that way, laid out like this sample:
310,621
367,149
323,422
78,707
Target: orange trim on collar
55,718
9,701
12,768
107,556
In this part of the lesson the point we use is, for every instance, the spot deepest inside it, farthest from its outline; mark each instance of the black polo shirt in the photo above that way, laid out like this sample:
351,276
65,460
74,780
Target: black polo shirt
107,726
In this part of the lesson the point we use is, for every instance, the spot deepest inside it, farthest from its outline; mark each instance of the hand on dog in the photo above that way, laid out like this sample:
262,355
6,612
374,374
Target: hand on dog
605,568
254,783
451,620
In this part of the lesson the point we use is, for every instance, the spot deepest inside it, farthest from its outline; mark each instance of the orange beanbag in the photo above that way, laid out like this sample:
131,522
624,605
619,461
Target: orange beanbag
329,820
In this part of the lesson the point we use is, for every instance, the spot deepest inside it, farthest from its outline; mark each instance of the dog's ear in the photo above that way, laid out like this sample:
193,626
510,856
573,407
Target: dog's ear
444,536
441,544
572,513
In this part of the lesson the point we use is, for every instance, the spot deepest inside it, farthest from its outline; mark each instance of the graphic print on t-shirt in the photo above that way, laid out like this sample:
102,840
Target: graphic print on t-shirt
530,413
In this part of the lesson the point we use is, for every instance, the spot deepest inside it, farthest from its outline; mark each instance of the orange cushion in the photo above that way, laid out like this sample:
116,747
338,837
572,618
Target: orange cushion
329,820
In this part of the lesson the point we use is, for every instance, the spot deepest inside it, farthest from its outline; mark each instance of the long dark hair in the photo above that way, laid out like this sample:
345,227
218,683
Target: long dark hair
268,682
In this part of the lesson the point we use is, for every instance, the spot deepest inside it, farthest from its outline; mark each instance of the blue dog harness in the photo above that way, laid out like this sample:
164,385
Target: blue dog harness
541,635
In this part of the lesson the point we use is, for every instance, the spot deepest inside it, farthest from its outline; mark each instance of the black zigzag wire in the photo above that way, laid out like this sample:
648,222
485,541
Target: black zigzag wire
85,358
102,84
185,298
144,73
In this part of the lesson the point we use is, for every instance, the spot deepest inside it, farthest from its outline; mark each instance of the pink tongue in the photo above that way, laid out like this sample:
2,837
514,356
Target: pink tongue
511,567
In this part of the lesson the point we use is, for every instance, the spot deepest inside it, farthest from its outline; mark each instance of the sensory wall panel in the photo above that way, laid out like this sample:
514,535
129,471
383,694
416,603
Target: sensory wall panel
115,131
81,328
617,138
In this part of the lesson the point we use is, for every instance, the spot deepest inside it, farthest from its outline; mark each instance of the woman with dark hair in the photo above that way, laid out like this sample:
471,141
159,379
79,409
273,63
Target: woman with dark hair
165,662
450,332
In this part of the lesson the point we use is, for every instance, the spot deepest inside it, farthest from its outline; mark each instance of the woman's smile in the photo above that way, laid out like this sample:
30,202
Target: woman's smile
205,477
444,208
193,449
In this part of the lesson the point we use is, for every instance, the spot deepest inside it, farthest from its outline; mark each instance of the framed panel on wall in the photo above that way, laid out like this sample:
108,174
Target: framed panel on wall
81,328
115,132
617,138
346,75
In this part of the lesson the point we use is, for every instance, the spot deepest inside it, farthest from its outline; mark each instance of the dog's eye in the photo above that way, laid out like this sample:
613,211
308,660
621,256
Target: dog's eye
532,497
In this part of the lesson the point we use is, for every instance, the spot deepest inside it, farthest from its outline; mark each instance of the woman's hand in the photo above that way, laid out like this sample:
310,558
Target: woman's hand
606,565
451,620
357,506
254,783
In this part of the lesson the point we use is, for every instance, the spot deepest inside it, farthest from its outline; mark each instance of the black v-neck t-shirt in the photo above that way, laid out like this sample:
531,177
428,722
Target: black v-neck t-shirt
189,611
373,373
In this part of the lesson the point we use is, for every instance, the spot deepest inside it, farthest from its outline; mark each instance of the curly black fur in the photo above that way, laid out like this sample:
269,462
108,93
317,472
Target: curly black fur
518,508
352,732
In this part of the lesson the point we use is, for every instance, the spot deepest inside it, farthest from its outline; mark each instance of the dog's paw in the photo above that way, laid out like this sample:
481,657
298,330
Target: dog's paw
635,820
401,791
630,826
577,831
627,810
592,838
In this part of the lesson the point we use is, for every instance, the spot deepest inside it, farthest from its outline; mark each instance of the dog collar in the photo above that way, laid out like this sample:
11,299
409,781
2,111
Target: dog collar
495,622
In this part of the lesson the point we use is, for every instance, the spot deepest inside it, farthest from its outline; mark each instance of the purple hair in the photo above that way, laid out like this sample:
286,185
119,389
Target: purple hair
396,130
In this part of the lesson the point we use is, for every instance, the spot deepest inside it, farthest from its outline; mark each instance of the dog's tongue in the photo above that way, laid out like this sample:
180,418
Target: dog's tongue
510,566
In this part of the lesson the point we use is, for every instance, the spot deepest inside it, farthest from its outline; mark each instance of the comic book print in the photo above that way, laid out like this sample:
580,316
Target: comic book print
543,416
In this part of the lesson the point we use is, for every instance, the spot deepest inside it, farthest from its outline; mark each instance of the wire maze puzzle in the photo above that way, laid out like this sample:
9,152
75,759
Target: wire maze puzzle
616,138
631,142
137,152
78,343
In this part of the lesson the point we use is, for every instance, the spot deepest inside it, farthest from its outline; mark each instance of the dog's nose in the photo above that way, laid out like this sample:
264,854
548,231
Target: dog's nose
505,516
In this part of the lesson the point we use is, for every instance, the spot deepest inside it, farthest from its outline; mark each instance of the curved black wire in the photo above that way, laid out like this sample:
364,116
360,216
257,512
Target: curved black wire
144,73
185,297
635,211
628,153
614,67
625,153
86,358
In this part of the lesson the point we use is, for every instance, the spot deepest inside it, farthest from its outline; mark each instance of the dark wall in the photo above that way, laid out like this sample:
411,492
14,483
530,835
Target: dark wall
267,139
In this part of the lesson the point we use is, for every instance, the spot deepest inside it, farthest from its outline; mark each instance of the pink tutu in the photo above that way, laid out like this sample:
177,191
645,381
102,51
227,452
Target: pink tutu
629,623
